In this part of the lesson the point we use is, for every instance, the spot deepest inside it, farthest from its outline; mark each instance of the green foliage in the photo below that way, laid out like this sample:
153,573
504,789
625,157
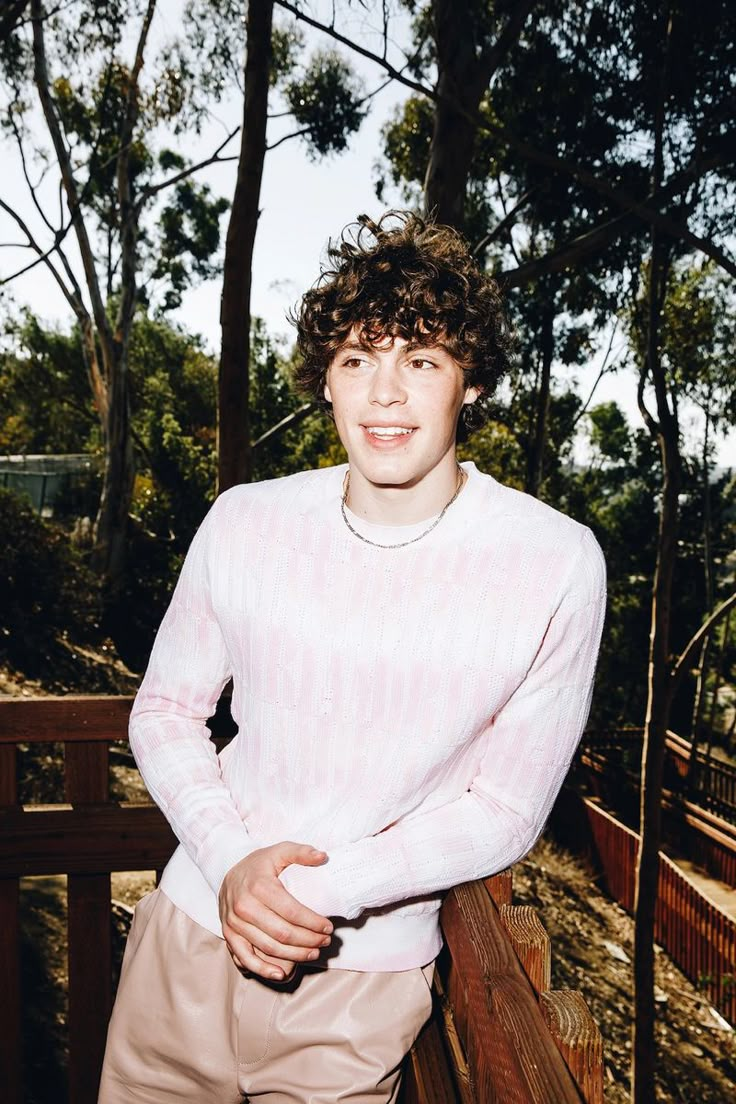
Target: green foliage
177,224
406,140
45,588
326,98
45,403
190,236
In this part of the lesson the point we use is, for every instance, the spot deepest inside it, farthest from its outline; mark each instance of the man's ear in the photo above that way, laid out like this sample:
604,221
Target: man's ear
471,394
327,394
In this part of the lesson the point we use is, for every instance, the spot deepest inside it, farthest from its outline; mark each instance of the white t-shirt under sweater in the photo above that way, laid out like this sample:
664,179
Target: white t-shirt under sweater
410,711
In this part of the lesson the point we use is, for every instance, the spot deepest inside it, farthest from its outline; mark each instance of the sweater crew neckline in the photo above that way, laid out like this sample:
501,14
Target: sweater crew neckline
456,517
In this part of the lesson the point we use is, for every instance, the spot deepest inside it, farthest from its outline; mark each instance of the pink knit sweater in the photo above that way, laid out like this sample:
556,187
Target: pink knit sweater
412,712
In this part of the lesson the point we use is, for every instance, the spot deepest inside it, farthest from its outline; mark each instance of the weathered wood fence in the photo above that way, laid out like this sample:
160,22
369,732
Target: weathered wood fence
498,1034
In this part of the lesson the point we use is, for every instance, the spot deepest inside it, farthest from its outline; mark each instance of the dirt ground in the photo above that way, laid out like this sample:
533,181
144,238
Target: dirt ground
590,937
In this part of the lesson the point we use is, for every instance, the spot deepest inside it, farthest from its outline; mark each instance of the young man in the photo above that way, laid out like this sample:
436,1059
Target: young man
412,648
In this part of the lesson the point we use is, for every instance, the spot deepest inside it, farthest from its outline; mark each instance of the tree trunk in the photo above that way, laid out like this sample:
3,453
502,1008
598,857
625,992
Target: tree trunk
233,430
465,66
535,461
111,525
691,780
659,701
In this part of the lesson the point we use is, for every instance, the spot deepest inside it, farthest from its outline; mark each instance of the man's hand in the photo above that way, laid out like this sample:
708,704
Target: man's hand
267,930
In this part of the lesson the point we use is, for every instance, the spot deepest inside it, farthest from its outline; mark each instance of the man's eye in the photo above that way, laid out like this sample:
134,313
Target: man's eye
352,362
423,363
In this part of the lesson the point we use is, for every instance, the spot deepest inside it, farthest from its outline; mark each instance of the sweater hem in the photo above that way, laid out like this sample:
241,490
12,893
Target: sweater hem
376,942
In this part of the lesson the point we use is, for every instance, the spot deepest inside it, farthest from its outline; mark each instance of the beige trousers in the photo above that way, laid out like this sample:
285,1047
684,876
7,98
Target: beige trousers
187,1026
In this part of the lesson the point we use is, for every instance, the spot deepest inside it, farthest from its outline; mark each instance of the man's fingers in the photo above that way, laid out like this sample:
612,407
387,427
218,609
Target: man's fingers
288,852
282,963
275,935
245,958
271,902
262,941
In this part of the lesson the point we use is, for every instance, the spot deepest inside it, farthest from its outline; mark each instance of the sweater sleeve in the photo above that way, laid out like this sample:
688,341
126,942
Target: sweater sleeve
528,748
188,667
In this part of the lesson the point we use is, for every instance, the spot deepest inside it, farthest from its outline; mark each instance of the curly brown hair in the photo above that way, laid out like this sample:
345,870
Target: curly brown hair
408,277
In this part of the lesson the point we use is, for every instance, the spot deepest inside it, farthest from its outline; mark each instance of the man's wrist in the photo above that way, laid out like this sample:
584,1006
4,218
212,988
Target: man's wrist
226,846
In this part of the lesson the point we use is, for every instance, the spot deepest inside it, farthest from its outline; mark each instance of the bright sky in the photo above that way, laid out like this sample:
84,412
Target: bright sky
303,204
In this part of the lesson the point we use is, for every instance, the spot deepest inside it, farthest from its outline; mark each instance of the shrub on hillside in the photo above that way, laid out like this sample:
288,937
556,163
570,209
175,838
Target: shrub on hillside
46,591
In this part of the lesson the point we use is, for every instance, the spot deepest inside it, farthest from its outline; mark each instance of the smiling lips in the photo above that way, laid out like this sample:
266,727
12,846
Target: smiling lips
388,434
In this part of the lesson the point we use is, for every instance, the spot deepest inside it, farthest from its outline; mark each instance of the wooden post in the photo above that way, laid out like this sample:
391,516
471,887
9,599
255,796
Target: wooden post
10,1006
508,1046
531,943
428,1079
578,1039
501,887
90,934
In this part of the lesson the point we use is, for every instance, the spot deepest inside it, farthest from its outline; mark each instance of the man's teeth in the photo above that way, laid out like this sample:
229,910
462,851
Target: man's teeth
389,431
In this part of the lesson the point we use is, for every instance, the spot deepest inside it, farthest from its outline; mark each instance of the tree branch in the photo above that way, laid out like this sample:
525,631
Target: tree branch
686,658
623,199
500,226
41,79
287,137
396,74
152,189
128,210
649,421
508,37
605,367
573,251
286,423
74,302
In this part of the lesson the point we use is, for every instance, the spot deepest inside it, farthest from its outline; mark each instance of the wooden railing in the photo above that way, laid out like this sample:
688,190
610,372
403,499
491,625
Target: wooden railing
712,785
699,936
690,823
497,1034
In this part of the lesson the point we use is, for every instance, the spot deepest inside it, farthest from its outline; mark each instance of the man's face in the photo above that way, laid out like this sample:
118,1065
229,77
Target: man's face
396,407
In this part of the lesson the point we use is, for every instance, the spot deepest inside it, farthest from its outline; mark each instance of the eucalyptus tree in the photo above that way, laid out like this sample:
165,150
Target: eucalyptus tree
266,62
85,104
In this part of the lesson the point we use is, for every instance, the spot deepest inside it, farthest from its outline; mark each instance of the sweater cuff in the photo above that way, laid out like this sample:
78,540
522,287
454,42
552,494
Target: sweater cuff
225,846
352,879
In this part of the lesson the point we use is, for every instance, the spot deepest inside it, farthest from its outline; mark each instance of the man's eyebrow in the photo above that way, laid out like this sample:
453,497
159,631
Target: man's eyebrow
412,346
354,347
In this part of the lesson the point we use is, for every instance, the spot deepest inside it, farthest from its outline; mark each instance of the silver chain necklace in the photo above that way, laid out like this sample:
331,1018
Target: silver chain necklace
403,544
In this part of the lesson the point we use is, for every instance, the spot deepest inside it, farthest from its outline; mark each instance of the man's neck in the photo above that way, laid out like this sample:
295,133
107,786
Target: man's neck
404,504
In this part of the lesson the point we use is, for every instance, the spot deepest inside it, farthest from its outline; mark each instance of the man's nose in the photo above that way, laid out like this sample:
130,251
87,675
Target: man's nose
387,387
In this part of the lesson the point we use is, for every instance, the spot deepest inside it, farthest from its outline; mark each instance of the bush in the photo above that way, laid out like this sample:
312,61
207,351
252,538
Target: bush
46,590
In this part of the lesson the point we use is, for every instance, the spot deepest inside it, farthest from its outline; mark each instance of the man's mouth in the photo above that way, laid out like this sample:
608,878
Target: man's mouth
388,432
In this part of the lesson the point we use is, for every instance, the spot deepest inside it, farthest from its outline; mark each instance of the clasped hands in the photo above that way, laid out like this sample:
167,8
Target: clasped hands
266,929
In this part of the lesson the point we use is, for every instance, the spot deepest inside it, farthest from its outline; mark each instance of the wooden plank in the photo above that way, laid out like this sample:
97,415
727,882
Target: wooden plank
501,887
87,772
578,1038
90,981
8,775
84,840
71,718
531,943
428,1076
511,1055
10,1005
76,717
89,934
